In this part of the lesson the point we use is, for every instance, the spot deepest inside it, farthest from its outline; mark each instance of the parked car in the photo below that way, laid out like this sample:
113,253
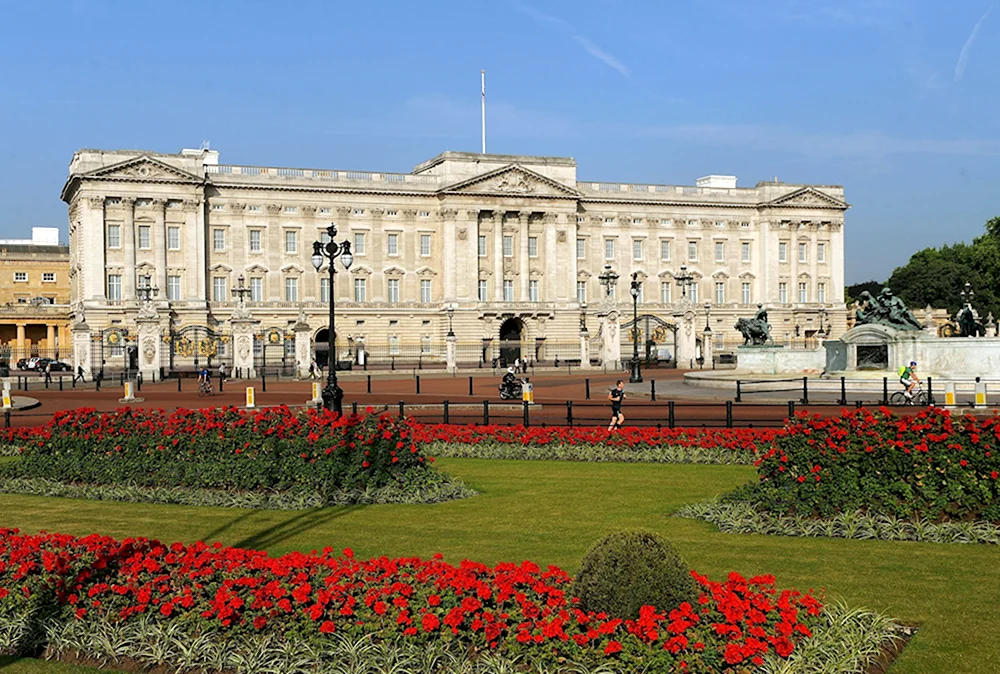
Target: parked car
30,363
22,363
57,366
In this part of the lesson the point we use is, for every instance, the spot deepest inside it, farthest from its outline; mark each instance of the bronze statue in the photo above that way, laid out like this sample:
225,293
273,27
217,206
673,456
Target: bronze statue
756,330
968,326
886,309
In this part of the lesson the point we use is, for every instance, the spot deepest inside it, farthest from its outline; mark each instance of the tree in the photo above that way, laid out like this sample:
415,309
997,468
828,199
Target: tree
853,292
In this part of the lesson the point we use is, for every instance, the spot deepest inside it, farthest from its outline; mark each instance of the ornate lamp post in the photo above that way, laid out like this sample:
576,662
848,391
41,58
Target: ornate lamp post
967,294
451,314
146,291
240,292
583,318
684,280
333,396
636,375
708,310
823,326
608,279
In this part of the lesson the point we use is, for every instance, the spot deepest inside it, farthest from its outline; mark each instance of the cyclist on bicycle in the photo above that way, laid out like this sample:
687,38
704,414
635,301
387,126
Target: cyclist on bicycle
203,378
908,378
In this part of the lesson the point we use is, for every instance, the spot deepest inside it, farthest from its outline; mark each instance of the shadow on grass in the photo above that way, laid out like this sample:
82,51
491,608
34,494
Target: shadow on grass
284,530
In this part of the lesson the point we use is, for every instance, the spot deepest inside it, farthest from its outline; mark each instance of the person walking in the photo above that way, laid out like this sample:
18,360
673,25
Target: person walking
79,374
48,373
222,372
617,396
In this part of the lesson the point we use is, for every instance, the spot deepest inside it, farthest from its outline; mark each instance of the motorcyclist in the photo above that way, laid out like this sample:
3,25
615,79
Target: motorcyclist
509,378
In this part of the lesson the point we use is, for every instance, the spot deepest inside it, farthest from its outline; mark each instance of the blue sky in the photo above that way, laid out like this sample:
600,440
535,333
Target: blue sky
898,101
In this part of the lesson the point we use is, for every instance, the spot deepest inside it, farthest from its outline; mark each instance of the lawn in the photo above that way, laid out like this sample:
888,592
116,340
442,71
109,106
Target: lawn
551,512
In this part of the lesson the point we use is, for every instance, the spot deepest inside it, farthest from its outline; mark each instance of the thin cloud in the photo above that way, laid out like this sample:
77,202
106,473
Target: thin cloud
586,43
963,57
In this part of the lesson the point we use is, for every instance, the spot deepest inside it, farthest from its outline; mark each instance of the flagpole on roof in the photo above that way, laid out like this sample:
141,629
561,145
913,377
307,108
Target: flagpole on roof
484,111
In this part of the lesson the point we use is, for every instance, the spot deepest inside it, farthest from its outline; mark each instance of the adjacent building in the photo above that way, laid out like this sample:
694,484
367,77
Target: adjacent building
34,296
513,245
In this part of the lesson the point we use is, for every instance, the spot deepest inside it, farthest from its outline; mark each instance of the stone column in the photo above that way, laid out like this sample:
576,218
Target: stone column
303,347
686,341
150,344
81,347
523,267
450,257
94,262
243,329
552,280
21,340
50,340
128,244
584,342
160,237
706,348
195,253
451,352
498,256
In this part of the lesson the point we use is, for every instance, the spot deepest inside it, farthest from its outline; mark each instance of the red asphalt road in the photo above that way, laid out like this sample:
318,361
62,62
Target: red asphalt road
551,394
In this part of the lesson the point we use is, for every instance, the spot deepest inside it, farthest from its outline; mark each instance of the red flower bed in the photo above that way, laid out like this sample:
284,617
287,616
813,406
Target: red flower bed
516,608
932,464
745,439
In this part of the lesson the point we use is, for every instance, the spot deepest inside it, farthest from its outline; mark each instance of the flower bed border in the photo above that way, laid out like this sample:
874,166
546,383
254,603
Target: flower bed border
591,453
743,517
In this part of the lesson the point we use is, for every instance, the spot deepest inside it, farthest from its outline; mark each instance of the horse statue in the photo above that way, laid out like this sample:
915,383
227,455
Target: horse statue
754,332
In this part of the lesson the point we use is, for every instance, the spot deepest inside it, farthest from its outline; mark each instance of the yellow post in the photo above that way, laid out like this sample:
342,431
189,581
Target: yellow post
528,393
128,389
7,404
949,394
250,397
980,394
316,395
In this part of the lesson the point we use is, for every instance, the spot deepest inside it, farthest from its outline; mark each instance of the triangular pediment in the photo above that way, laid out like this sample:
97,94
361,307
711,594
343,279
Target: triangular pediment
809,197
143,169
256,269
513,180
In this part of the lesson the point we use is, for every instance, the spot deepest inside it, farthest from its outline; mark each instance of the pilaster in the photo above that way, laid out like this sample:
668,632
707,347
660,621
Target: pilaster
128,244
524,269
81,347
159,241
451,259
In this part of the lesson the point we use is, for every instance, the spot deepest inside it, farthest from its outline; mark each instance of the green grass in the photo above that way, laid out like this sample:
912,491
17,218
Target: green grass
551,512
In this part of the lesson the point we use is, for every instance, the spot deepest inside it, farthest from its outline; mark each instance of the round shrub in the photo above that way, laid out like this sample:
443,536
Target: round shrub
626,570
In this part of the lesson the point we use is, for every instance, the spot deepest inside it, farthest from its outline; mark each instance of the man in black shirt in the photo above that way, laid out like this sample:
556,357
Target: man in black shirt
617,396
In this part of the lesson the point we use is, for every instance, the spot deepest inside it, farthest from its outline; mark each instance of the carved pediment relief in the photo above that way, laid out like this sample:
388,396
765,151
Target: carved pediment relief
361,271
513,180
220,268
485,274
583,275
143,169
720,275
256,269
747,276
640,276
536,274
666,273
426,272
291,269
393,272
809,197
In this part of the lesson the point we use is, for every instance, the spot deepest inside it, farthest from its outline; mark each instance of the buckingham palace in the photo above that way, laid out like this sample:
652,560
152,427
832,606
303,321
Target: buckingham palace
469,258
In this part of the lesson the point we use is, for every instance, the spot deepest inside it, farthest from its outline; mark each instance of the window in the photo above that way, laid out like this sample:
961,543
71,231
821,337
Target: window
665,249
693,292
821,293
609,249
720,223
254,208
144,237
114,236
173,288
114,287
48,277
482,246
255,246
532,290
360,290
608,220
665,292
425,290
324,237
290,209
324,211
720,292
636,221
508,291
802,252
803,292
637,249
508,246
393,247
746,297
324,290
821,252
692,250
292,289
218,289
256,289
783,292
216,207
425,245
358,211
393,345
581,291
391,213
392,291
745,251
291,242
425,344
666,222
425,214
173,238
482,291
20,277
720,251
218,239
359,243
782,252
532,246
581,249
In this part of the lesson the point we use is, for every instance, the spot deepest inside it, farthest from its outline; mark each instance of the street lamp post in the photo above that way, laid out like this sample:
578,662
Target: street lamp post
583,318
146,291
636,375
608,279
684,280
332,394
823,327
451,314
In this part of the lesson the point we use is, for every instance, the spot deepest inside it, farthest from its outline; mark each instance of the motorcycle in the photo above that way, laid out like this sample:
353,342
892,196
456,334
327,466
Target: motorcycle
511,391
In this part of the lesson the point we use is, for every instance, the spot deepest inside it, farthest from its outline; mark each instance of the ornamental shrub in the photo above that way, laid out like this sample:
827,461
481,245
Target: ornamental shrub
627,570
273,449
931,465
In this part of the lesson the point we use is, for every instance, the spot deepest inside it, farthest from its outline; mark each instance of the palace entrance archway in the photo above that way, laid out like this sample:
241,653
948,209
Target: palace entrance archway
511,340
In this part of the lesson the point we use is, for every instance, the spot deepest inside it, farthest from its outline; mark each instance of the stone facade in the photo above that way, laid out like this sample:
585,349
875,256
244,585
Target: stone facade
515,244
34,296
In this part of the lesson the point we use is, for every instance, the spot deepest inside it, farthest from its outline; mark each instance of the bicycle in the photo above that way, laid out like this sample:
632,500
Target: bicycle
205,389
918,397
